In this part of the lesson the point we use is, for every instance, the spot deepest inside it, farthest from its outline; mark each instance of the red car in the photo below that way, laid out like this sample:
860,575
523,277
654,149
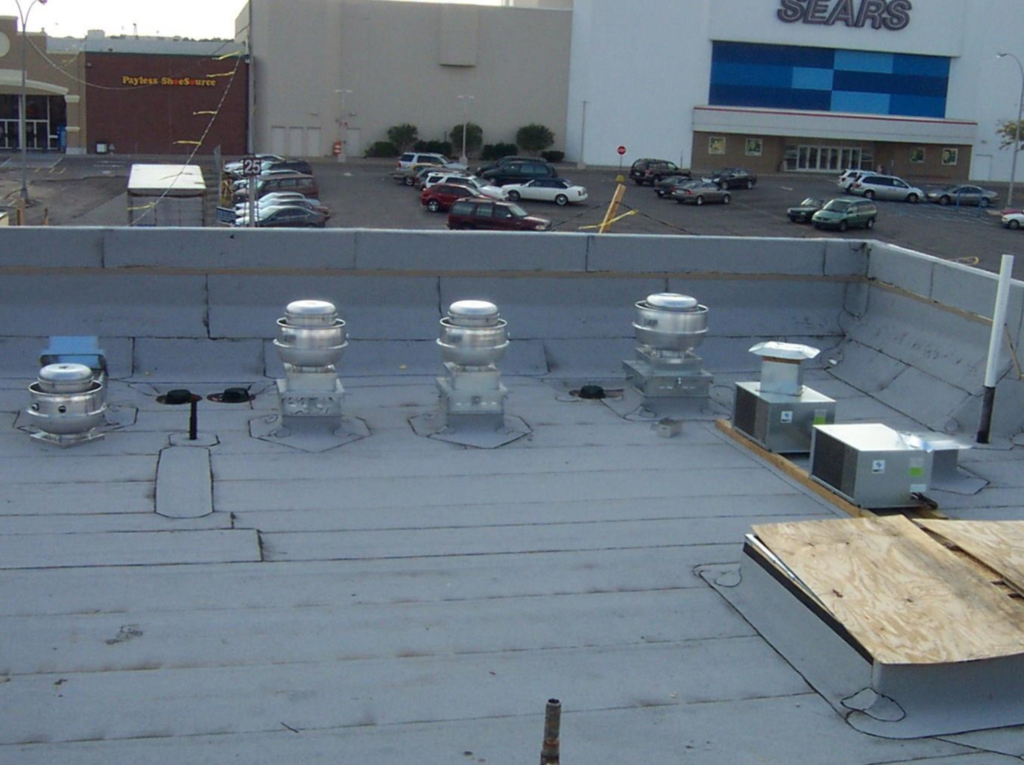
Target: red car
441,196
491,215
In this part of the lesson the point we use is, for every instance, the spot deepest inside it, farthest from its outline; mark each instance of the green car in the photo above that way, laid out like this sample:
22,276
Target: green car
846,212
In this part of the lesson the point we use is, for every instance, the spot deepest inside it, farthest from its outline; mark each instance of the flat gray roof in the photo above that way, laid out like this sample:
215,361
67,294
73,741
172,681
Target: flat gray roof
400,599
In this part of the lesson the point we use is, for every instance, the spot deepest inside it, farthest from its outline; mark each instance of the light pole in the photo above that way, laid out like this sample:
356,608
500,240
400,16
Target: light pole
343,125
24,95
1016,143
465,124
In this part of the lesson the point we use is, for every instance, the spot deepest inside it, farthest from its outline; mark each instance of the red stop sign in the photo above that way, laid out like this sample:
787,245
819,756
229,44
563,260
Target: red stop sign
622,150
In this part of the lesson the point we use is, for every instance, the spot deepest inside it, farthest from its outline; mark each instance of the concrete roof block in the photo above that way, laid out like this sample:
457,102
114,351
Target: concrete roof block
928,400
866,369
384,309
51,247
974,291
706,254
132,305
229,248
198,360
846,257
557,307
477,251
941,343
767,307
908,270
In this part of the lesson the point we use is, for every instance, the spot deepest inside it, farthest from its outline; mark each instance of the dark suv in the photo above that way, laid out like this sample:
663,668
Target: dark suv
519,171
650,171
491,215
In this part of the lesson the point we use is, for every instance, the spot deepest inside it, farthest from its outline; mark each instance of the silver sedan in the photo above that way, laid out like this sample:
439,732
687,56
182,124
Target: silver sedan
701,192
963,195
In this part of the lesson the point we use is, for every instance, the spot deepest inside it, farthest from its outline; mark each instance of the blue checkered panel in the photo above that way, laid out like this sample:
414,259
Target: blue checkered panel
823,79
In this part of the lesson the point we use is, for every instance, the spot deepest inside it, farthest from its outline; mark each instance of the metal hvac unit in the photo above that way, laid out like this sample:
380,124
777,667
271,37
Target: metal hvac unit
870,464
780,422
779,411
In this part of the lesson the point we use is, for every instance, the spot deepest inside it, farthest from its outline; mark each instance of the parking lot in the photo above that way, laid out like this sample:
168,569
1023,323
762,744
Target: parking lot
362,194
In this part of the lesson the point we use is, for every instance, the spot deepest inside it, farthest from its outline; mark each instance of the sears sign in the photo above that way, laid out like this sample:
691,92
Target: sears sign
880,14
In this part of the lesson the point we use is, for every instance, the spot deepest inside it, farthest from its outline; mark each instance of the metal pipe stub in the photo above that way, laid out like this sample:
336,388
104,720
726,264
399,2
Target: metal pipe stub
549,753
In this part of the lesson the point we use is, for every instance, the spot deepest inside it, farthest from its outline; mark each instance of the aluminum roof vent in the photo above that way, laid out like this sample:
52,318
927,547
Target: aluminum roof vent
473,339
670,322
68,403
310,334
473,334
781,366
666,372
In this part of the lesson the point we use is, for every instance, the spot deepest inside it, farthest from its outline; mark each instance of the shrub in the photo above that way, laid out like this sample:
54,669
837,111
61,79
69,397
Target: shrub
493,151
534,138
474,138
434,147
382,149
553,156
403,136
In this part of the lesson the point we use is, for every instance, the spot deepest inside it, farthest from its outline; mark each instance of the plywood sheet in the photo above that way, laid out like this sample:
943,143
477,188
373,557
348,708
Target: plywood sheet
997,544
903,596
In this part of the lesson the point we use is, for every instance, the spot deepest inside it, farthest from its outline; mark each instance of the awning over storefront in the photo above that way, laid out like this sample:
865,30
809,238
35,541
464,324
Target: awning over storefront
10,82
854,127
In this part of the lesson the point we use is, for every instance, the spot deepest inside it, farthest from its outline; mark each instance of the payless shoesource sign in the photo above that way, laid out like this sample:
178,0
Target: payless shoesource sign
184,82
893,15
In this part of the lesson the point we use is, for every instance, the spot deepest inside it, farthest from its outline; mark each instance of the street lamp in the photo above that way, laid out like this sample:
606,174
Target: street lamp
465,124
343,124
1016,143
24,95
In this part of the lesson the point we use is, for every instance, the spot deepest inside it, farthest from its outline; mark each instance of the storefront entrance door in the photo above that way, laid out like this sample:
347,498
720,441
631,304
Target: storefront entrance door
818,159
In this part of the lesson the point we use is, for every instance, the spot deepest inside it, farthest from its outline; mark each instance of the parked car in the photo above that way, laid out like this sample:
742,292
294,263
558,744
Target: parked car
426,158
701,192
802,212
846,212
282,200
963,194
303,184
520,171
288,217
408,175
490,214
441,196
650,171
502,162
277,198
734,178
849,177
1012,220
557,190
666,186
431,179
640,172
295,165
478,188
886,187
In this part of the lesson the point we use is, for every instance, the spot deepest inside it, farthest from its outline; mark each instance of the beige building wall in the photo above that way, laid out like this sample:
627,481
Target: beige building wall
402,62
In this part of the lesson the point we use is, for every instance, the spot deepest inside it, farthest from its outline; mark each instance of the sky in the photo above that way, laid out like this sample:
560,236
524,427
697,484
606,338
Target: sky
197,19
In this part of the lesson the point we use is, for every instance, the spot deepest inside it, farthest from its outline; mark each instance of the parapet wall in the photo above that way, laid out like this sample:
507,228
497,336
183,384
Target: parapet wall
200,304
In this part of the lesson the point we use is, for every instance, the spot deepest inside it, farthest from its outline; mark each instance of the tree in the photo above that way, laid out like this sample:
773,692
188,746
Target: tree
534,138
1007,131
474,137
403,136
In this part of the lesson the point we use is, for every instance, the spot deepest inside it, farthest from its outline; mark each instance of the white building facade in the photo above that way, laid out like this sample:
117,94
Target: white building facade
912,86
